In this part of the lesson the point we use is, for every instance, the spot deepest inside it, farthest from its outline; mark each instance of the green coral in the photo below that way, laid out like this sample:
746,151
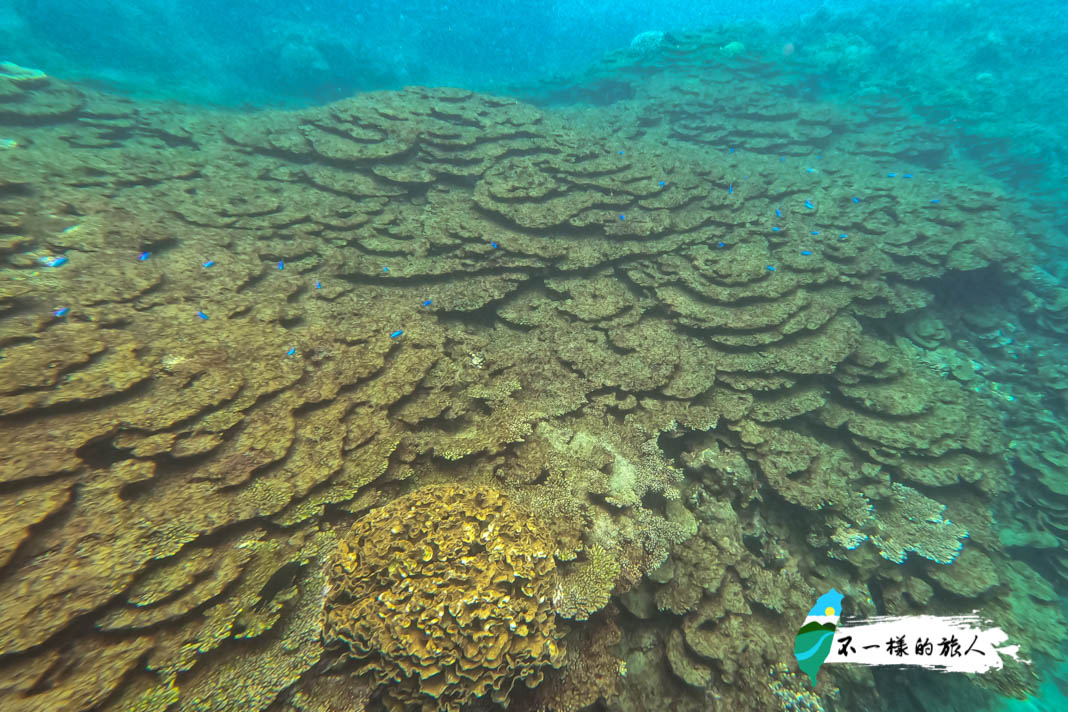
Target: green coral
909,521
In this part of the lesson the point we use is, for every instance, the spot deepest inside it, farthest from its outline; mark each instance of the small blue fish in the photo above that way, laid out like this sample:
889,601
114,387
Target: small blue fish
144,256
385,269
936,201
292,350
810,170
769,268
732,150
806,252
207,264
891,175
661,184
856,199
318,284
819,157
906,175
815,232
809,205
622,216
396,333
494,245
62,311
778,213
427,303
202,315
721,244
774,229
843,236
621,153
730,188
782,159
58,262
281,265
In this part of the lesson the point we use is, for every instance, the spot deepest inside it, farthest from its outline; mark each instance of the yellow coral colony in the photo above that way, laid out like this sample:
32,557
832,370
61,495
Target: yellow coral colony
443,596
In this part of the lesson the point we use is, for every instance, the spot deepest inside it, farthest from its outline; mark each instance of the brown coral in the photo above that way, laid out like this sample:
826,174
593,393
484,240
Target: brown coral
444,596
588,585
164,476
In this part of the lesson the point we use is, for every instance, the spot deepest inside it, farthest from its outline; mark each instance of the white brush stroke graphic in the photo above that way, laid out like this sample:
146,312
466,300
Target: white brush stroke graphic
956,643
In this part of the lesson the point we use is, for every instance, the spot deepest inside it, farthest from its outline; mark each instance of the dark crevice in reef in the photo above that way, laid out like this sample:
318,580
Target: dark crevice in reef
101,404
977,289
14,189
58,518
101,453
280,580
254,281
292,322
654,501
159,246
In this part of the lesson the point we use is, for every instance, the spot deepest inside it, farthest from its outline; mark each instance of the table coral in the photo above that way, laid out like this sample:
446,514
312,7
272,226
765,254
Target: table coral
913,522
444,596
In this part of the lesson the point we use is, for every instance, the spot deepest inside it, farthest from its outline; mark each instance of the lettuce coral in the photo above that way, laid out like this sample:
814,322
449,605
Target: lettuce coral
444,596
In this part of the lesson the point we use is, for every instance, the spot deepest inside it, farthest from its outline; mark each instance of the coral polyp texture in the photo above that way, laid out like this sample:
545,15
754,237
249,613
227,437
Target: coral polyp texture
691,382
444,596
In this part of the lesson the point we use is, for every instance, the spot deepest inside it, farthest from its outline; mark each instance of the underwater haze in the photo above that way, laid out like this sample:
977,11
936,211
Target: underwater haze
238,54
542,357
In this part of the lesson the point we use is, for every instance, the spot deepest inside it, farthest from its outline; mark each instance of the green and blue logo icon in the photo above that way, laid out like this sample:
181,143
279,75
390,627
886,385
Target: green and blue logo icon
815,638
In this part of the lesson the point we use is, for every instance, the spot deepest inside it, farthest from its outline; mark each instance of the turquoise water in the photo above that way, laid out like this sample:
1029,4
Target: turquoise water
986,71
740,302
298,53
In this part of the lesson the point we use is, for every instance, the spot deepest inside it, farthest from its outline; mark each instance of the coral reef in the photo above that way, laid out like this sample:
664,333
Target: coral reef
713,378
589,585
590,671
444,596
